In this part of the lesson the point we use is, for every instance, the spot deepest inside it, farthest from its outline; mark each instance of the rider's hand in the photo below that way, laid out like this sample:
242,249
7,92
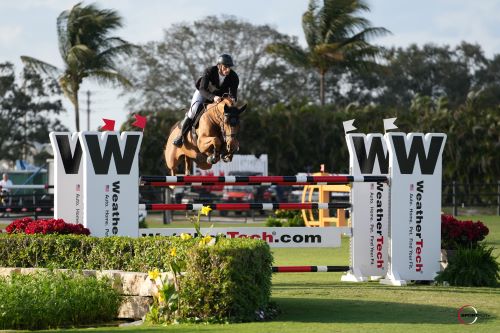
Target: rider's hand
217,99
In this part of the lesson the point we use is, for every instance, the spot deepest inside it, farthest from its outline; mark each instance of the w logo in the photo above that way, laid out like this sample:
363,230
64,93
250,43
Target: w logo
101,148
368,153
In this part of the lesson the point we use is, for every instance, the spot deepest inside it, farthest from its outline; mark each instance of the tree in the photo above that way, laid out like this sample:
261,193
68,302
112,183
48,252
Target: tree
164,72
435,71
335,37
26,110
87,50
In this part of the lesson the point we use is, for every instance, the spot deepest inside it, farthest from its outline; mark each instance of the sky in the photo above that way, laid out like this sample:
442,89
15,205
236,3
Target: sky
28,27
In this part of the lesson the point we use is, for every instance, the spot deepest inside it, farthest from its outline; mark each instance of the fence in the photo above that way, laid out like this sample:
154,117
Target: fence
460,195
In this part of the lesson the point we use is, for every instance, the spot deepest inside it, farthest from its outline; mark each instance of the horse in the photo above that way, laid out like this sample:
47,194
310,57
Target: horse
219,124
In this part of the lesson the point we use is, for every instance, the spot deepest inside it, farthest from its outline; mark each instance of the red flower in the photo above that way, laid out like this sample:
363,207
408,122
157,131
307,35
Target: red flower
50,226
455,233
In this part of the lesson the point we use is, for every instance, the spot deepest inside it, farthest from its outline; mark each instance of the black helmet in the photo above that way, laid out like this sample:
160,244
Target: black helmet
226,60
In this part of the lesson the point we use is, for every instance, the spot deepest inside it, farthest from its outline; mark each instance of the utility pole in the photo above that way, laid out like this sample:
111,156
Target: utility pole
88,110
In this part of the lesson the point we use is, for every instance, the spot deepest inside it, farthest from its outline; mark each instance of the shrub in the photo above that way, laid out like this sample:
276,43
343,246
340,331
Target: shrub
51,226
293,218
472,266
228,281
273,222
50,300
238,290
456,234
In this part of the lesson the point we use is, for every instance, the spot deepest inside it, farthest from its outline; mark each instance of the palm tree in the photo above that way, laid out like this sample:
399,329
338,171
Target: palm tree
335,36
87,50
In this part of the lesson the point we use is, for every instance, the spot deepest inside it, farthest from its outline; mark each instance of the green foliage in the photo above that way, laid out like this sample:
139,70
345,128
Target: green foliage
293,218
228,281
51,300
273,222
27,110
284,133
471,267
296,221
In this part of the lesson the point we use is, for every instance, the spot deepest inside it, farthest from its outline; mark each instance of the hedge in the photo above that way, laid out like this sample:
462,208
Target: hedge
230,281
50,300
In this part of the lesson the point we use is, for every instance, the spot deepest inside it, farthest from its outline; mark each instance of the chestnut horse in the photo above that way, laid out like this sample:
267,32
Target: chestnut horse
215,138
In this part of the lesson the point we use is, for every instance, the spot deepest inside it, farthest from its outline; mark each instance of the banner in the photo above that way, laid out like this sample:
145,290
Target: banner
275,237
415,161
370,207
68,177
110,182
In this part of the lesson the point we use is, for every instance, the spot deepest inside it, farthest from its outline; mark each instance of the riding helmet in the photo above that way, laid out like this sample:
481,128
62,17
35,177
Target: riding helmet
226,60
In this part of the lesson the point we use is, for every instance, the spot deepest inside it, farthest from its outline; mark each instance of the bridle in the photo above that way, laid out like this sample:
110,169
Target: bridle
222,125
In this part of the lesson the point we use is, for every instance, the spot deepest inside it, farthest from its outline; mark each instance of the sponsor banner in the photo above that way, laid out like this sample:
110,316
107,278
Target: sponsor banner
370,205
415,163
275,237
111,171
68,177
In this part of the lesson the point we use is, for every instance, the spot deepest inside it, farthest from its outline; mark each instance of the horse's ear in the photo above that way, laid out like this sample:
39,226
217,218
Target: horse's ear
242,109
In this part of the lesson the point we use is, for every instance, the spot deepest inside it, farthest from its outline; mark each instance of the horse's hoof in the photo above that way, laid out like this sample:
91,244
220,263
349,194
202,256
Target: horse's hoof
212,159
227,158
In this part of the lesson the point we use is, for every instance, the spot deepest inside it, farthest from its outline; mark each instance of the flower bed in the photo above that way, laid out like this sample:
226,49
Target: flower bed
50,226
456,234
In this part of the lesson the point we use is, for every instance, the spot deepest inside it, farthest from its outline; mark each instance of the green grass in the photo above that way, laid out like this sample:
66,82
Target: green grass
319,302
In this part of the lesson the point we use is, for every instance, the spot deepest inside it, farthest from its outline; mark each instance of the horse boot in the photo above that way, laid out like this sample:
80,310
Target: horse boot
186,126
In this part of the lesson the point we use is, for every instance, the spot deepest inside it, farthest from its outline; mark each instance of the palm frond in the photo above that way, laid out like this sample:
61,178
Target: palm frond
39,65
112,77
293,54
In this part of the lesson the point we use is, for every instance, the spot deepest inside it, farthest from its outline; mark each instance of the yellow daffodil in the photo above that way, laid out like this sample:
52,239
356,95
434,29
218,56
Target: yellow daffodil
173,252
154,274
205,210
205,240
186,236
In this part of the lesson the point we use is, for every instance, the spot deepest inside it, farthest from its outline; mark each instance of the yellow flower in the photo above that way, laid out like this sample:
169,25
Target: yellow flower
173,252
186,236
161,298
205,240
205,210
154,274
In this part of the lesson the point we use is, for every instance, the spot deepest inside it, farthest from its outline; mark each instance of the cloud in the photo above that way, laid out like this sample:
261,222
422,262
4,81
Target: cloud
9,34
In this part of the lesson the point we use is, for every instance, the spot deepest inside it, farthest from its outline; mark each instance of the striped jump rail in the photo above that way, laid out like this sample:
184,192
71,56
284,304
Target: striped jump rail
258,180
246,206
27,187
20,209
309,269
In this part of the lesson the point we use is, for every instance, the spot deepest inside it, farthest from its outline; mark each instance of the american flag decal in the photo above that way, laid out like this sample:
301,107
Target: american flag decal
372,186
106,188
411,187
78,187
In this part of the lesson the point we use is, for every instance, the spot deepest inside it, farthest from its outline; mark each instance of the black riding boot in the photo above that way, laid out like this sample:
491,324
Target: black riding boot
186,126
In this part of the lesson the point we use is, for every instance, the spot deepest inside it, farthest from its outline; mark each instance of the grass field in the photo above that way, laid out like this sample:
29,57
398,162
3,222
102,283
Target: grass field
319,302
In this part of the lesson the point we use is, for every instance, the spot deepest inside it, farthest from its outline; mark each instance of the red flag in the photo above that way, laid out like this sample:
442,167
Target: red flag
140,121
109,125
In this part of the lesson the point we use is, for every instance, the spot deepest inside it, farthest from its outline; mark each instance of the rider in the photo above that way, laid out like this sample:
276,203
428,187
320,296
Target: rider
211,86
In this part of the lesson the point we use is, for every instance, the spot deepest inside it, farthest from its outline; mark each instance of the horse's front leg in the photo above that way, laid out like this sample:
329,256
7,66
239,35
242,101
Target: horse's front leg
211,147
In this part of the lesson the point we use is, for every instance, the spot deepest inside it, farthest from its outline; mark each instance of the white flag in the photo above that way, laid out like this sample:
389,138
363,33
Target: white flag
389,124
348,126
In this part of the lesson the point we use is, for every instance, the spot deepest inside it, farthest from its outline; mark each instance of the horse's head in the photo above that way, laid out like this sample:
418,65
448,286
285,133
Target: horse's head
231,127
